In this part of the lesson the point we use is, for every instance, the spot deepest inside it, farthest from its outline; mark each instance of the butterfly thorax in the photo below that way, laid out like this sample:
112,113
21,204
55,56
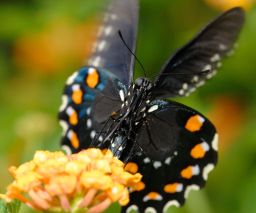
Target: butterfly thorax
120,131
137,99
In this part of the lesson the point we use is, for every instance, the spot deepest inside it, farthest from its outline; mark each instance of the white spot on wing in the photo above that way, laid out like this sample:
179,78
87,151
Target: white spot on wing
64,126
185,86
96,61
215,58
189,188
66,149
196,170
150,210
215,142
132,208
75,87
91,70
113,16
181,92
195,79
179,188
223,47
70,110
157,164
201,119
108,30
200,83
207,170
147,198
207,68
169,204
146,160
205,146
71,78
192,89
101,45
64,103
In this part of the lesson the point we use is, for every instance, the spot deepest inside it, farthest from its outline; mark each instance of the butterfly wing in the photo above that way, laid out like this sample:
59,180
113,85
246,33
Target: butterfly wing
192,156
110,52
75,114
198,60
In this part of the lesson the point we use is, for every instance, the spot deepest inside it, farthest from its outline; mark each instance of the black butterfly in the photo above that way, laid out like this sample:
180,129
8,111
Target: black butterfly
173,146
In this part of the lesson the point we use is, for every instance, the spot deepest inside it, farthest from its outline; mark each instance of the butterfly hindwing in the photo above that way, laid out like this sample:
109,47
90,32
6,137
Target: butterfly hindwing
75,114
198,60
110,52
167,181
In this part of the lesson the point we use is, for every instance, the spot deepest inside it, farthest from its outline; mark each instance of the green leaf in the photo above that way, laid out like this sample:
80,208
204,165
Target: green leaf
12,207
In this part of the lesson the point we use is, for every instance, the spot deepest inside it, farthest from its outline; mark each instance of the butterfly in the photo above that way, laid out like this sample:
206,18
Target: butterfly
172,145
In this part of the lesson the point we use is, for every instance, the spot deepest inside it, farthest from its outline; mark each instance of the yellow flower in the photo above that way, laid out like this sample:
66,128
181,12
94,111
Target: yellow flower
228,4
90,180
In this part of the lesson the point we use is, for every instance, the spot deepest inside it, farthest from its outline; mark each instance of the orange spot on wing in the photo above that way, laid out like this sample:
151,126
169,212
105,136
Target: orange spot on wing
74,140
131,167
77,96
187,173
194,123
73,119
198,151
92,79
171,188
153,195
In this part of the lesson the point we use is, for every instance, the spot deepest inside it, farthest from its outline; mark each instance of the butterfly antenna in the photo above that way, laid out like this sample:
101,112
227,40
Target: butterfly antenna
122,39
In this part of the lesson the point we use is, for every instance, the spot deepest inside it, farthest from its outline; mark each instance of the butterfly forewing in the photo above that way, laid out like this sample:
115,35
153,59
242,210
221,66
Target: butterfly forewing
110,52
193,154
198,61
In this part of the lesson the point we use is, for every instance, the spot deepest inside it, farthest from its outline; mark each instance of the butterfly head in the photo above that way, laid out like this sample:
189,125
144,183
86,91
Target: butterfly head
143,83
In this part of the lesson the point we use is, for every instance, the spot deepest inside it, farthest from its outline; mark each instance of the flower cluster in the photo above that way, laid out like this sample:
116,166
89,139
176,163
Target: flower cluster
89,180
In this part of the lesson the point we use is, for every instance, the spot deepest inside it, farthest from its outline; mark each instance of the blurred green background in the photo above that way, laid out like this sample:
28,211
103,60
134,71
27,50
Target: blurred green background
43,42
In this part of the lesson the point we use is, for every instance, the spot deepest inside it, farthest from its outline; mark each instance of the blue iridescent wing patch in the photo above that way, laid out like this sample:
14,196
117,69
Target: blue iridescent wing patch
75,113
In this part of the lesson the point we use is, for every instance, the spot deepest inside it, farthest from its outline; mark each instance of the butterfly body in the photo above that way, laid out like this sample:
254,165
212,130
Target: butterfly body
172,145
131,106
